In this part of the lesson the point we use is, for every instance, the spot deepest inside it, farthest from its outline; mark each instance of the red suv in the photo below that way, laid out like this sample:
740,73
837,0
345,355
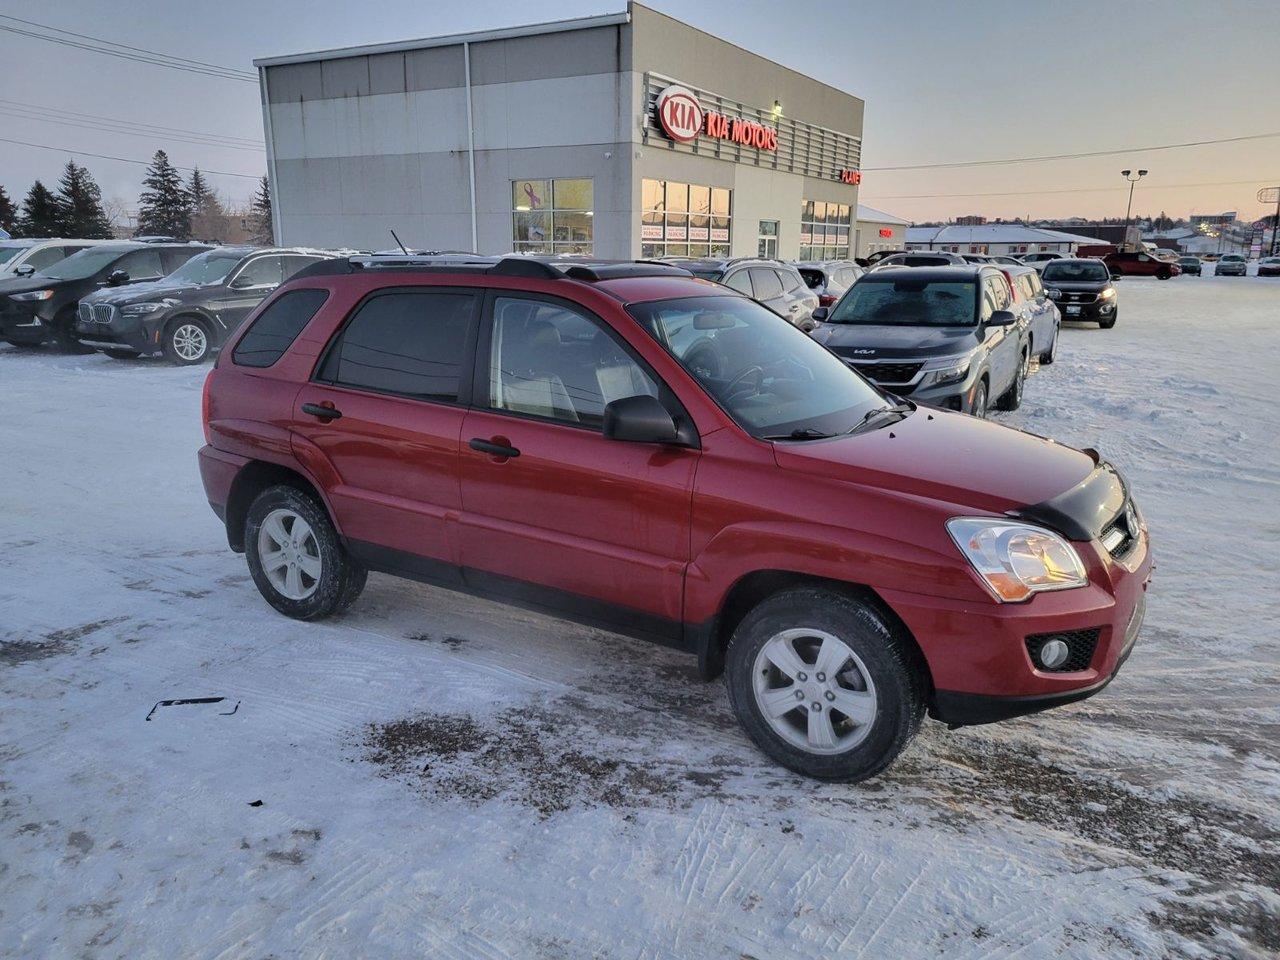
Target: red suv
630,446
1140,264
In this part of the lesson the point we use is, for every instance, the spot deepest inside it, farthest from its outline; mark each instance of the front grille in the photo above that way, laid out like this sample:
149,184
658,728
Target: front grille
84,313
1080,643
103,312
890,373
1121,535
1080,297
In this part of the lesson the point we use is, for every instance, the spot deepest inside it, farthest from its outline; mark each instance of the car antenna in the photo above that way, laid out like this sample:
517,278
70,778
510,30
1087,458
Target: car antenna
399,244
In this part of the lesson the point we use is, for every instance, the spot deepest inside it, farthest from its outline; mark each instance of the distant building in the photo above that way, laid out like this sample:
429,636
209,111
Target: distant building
877,230
972,220
995,238
1199,220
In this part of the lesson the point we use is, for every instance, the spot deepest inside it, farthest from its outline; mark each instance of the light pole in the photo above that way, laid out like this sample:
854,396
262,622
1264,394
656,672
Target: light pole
1128,175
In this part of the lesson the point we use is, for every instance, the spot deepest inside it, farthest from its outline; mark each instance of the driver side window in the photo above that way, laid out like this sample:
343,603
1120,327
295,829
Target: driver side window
548,361
262,272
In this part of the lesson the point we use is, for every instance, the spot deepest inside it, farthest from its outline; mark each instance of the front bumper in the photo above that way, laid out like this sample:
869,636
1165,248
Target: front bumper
120,332
977,653
1098,310
19,323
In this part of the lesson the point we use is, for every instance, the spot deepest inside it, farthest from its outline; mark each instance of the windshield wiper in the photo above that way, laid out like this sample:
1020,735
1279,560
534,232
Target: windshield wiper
807,433
898,409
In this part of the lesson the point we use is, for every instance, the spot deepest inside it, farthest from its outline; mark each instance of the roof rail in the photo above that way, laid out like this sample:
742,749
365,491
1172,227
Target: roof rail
619,271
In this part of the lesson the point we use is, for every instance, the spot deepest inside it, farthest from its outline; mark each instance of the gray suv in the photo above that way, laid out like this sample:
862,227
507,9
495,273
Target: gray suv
777,285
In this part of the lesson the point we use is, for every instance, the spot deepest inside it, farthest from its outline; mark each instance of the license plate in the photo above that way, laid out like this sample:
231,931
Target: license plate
1073,310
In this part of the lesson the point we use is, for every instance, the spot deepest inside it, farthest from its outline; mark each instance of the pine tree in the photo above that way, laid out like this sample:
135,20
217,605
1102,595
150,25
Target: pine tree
83,216
164,207
8,213
42,213
208,218
260,214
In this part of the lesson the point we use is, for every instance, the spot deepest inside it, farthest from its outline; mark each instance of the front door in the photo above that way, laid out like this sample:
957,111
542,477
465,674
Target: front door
553,512
385,411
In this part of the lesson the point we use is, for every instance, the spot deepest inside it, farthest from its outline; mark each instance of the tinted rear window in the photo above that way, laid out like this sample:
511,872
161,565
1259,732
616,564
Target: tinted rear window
405,343
277,327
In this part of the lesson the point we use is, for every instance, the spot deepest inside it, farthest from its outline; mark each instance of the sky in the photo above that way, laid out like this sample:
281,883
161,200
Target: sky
943,83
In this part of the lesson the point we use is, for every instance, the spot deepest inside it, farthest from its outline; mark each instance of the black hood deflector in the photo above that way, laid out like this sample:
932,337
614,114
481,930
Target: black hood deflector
1084,511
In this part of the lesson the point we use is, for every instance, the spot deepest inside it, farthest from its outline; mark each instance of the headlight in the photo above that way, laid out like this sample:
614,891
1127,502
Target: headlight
1053,293
1015,559
33,295
953,372
1107,294
139,309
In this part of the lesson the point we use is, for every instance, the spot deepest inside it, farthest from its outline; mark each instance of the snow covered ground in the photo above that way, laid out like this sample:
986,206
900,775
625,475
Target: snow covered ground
436,776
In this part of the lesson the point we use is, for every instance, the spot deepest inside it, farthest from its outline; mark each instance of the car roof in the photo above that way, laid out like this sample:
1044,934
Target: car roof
969,271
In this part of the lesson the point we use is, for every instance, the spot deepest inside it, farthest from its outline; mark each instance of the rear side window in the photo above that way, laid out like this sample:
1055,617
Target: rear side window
791,282
740,282
766,283
277,327
410,343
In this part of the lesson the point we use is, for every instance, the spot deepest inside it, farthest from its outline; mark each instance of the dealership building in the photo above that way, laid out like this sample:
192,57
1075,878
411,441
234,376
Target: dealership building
620,136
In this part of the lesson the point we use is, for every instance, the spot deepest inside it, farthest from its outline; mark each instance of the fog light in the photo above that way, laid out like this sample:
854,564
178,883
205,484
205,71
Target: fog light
1054,654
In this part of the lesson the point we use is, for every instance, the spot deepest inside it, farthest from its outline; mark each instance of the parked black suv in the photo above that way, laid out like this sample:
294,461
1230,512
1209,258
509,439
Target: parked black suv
193,310
945,336
1083,289
772,283
42,307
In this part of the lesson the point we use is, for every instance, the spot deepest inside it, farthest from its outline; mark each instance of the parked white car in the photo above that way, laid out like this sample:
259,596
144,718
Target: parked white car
22,258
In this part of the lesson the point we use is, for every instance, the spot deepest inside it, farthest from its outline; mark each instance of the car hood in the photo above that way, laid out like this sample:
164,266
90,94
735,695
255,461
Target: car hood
33,282
1078,286
975,464
864,341
143,292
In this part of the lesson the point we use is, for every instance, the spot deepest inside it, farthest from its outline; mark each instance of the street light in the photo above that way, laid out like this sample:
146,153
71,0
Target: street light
1128,175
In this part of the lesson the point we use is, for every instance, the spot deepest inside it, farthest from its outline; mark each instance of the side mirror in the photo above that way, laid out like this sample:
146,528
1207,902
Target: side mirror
821,313
25,270
641,419
1002,318
116,277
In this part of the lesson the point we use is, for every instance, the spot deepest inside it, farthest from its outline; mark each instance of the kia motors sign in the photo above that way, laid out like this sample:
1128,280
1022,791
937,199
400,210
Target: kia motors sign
680,113
683,120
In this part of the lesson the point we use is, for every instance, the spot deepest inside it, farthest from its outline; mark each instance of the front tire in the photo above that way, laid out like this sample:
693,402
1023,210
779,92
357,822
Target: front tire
823,685
1110,321
186,341
295,557
64,334
1011,399
122,354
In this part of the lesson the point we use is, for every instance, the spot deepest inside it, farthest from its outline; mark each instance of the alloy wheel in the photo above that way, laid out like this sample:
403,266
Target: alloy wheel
190,341
814,691
290,554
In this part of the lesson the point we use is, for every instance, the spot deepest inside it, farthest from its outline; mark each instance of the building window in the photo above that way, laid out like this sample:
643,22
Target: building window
683,220
824,230
767,245
553,216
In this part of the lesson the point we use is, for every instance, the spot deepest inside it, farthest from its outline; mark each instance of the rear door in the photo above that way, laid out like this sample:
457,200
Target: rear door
553,512
385,409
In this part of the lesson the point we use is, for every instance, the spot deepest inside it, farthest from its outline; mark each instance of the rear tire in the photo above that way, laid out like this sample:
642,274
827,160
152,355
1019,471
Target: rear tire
1011,399
295,557
1051,354
836,652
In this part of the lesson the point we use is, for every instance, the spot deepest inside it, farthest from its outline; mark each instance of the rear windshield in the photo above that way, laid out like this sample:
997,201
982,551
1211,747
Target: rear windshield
1233,258
924,261
812,278
909,302
1069,270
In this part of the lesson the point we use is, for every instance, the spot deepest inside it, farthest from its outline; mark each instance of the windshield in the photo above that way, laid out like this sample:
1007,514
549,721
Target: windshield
1069,270
208,267
8,253
83,264
908,302
768,375
1233,258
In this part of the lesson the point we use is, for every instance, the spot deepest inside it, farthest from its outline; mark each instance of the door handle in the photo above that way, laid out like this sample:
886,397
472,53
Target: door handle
497,447
323,412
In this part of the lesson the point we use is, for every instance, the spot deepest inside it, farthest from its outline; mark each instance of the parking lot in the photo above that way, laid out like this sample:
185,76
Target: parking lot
433,775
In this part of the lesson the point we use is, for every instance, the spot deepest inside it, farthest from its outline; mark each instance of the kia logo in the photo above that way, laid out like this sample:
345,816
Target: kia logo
679,113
